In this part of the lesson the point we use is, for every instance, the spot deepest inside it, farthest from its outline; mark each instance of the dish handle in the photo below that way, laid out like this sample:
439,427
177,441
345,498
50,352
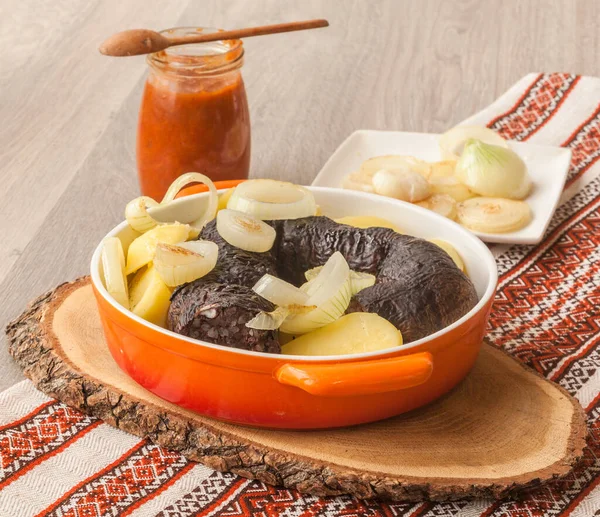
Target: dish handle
358,378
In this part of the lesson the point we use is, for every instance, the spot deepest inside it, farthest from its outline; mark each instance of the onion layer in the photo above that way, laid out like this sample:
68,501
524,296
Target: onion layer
279,292
140,220
268,320
137,214
244,231
358,280
185,262
113,265
270,200
330,291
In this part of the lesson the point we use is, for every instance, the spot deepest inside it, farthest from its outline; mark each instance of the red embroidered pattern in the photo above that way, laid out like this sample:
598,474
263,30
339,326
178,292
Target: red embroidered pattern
536,107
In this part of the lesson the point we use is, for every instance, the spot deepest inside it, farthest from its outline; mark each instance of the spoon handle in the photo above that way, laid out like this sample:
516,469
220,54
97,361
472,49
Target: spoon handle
249,32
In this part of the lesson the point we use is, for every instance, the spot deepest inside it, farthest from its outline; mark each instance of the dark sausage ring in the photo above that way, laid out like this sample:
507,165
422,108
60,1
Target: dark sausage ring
419,288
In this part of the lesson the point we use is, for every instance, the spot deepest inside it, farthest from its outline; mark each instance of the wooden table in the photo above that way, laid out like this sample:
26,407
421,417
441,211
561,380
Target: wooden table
68,114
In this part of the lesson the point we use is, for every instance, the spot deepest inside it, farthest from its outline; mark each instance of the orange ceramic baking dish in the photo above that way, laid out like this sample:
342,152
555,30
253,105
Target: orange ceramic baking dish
299,392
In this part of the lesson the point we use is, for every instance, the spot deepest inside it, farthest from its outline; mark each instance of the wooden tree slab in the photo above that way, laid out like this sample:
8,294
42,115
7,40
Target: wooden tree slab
504,428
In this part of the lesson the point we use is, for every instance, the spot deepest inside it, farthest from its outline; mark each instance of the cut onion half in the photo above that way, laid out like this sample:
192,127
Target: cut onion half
244,231
270,200
452,142
185,262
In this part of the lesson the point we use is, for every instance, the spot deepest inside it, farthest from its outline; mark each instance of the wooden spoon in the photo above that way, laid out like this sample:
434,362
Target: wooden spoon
143,41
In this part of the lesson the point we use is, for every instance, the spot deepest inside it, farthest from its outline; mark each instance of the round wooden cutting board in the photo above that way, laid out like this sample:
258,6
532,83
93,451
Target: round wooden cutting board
502,429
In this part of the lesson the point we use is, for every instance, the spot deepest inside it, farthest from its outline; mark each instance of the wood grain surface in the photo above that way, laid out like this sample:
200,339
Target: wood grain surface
68,114
439,452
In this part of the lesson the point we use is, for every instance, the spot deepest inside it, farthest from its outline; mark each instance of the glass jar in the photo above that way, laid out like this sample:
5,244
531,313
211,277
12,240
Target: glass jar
194,114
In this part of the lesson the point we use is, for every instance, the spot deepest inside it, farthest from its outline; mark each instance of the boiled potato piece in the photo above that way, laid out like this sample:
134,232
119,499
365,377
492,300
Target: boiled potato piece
450,250
224,198
494,215
367,221
451,187
149,296
353,333
141,250
390,162
442,204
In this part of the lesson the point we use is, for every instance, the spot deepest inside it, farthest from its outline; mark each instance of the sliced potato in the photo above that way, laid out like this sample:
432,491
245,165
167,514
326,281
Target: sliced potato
450,250
493,215
353,333
284,338
452,187
141,250
404,184
149,296
113,265
368,221
442,204
443,169
372,165
358,181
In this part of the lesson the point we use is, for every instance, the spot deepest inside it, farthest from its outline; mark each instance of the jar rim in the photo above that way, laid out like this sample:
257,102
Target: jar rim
209,58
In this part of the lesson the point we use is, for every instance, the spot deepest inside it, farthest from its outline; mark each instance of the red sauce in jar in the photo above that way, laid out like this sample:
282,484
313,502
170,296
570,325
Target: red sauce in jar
193,122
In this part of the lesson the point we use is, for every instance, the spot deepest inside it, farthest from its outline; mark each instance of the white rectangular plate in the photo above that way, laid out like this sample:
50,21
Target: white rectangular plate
547,166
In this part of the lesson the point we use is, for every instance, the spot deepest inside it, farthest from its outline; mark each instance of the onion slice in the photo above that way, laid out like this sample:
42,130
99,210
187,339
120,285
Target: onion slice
330,291
137,214
268,320
280,292
244,231
140,220
358,280
113,266
329,280
185,262
494,215
270,200
195,177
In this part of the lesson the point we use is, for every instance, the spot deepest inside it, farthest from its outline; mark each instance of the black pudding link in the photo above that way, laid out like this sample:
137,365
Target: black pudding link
419,288
218,313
